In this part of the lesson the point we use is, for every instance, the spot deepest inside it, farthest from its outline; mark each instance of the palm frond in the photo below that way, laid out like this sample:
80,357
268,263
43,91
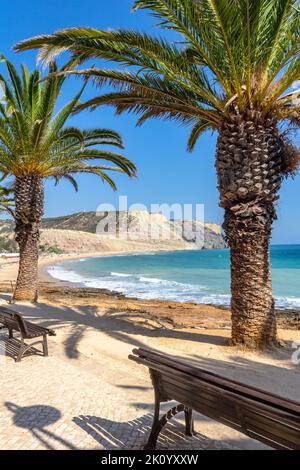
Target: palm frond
231,56
36,141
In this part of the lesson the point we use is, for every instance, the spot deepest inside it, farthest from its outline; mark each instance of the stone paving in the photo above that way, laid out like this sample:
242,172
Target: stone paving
47,403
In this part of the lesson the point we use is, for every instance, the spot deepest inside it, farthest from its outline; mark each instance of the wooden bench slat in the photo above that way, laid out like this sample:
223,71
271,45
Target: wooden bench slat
209,392
266,424
228,409
282,439
206,410
269,442
205,397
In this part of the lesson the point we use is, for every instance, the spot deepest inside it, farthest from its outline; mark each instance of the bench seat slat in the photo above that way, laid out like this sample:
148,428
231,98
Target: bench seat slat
282,440
269,442
200,394
272,433
209,392
267,424
230,409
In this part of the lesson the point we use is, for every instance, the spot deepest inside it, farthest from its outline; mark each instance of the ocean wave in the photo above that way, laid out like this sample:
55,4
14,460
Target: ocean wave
152,280
120,275
287,302
59,272
149,288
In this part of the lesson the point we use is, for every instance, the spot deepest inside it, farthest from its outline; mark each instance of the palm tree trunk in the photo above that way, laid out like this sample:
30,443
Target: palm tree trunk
249,159
252,304
29,200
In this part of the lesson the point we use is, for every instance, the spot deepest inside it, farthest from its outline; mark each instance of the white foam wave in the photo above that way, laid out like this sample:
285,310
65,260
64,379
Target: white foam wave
120,275
148,288
65,275
152,280
287,302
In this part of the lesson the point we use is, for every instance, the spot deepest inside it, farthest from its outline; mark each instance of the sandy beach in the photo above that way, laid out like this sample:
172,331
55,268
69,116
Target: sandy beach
97,329
9,267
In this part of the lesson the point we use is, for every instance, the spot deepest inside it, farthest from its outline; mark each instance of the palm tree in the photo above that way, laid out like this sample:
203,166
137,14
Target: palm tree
35,145
231,71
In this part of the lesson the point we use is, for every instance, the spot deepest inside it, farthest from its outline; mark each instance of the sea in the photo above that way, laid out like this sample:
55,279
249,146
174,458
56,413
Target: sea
187,276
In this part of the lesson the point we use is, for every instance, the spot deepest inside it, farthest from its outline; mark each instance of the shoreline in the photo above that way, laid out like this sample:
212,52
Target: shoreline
45,263
166,310
45,276
8,267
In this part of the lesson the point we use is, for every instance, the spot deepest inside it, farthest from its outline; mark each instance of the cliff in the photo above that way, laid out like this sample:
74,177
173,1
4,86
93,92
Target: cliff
121,231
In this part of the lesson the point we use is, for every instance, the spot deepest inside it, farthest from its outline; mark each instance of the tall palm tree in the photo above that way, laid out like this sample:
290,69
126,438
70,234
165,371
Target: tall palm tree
231,71
35,144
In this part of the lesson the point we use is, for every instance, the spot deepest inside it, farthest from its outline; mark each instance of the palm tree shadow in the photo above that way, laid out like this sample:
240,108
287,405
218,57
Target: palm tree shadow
122,324
133,435
35,419
72,342
117,324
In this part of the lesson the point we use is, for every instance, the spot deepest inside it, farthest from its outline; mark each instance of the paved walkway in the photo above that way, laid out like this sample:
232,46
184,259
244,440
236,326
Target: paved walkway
47,403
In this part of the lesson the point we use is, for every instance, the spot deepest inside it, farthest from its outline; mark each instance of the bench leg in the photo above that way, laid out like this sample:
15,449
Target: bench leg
152,440
45,346
10,333
189,422
21,352
159,424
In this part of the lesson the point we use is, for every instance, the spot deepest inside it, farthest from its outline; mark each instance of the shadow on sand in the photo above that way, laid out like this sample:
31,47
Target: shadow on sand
133,434
121,326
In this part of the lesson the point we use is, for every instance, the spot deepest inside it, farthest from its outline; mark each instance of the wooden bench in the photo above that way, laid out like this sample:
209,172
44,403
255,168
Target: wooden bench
261,415
14,321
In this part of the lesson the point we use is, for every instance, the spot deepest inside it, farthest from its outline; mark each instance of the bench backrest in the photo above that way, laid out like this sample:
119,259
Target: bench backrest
14,320
259,414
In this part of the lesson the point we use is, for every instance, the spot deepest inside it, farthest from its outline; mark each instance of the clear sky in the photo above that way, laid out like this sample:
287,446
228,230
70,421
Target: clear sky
167,173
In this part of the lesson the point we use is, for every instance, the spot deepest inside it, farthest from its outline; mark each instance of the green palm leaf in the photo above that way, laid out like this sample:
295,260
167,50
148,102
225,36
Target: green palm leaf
231,55
35,141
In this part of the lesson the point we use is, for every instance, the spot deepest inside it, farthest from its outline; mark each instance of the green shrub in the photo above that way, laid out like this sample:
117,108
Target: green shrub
8,245
51,250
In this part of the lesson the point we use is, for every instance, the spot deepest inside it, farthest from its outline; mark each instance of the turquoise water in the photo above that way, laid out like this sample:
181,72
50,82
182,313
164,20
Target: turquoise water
188,276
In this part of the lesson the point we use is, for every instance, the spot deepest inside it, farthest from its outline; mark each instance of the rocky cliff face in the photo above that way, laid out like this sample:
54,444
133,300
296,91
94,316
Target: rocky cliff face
123,231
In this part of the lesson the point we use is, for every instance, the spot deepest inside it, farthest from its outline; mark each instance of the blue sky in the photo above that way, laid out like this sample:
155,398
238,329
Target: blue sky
167,173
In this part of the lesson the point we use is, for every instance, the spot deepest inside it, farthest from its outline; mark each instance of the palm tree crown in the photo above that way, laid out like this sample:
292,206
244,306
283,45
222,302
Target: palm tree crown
36,144
233,56
34,141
